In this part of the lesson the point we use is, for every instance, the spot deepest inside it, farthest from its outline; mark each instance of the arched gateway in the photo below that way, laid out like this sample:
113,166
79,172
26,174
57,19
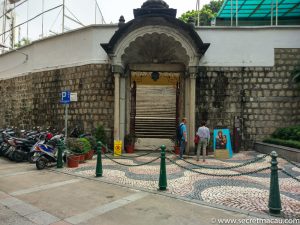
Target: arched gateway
154,51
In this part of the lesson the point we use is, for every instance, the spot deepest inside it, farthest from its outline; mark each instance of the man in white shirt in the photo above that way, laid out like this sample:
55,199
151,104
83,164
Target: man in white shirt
204,135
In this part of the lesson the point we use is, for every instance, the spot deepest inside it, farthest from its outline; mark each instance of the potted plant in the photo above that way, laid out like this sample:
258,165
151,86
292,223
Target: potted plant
176,144
86,148
78,147
93,142
129,141
74,147
100,135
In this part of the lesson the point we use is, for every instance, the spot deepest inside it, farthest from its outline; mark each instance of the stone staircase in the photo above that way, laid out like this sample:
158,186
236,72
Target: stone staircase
155,111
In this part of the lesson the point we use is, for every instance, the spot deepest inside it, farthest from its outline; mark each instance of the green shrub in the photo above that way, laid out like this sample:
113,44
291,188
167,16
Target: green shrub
287,133
92,141
100,134
287,143
129,139
86,145
75,145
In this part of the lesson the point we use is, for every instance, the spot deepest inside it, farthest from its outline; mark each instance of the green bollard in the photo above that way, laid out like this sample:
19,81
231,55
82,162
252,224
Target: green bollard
59,155
274,198
163,172
99,160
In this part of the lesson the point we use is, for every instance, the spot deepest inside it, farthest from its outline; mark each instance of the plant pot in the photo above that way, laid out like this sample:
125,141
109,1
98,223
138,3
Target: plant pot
129,148
73,161
177,150
81,158
89,155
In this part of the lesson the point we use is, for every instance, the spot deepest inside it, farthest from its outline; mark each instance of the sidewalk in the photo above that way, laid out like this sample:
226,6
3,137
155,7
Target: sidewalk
29,196
248,192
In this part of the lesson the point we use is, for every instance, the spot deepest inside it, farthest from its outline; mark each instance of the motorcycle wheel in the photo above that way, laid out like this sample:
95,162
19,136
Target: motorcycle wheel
10,153
17,156
30,158
4,149
41,163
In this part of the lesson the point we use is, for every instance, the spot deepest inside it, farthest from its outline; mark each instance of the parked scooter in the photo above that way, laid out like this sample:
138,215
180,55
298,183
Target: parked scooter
46,153
35,151
7,146
18,149
22,149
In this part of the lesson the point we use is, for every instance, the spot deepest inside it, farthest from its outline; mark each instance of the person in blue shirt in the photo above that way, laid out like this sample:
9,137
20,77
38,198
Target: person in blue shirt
183,140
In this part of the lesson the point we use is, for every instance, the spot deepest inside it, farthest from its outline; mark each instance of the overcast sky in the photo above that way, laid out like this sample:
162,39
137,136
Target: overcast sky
84,10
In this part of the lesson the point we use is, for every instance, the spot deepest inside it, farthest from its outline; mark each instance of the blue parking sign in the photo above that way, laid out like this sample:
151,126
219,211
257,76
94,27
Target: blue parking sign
65,97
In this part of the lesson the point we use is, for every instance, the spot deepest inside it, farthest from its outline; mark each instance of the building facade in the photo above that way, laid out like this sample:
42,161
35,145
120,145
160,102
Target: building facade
144,75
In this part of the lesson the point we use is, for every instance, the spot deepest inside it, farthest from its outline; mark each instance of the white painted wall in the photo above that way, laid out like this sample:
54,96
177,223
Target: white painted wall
229,47
251,46
77,47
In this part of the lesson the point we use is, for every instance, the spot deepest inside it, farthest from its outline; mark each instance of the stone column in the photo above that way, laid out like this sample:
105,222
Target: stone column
122,108
192,112
117,107
117,70
187,107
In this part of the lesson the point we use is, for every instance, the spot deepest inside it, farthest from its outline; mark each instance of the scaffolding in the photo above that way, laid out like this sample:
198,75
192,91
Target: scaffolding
8,18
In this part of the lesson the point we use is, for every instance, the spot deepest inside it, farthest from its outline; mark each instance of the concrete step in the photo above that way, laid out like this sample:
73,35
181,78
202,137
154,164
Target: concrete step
155,129
154,136
155,112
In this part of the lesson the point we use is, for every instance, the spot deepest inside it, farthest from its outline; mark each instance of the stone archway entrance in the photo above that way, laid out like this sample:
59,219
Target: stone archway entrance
155,41
155,110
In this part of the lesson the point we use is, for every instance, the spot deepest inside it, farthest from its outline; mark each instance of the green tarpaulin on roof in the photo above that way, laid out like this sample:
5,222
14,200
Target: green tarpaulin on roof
248,9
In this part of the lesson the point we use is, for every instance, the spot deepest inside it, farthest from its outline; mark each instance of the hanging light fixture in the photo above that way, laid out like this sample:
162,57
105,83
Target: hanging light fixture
155,75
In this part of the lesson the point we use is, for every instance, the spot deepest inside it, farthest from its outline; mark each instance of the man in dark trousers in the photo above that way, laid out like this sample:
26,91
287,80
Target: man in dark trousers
183,140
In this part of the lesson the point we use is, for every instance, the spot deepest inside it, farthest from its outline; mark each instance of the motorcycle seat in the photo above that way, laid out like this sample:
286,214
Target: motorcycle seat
23,140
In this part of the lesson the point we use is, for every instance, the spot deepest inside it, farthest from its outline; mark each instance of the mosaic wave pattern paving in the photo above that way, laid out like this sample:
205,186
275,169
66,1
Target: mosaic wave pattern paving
247,192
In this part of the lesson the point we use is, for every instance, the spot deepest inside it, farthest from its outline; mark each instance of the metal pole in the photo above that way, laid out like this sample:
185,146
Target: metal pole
163,172
231,13
99,170
95,11
60,155
272,13
66,122
236,13
4,20
274,197
43,3
27,24
198,9
63,17
276,12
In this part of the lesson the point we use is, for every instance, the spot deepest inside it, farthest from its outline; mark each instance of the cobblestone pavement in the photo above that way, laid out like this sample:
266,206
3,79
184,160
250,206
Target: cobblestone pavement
247,192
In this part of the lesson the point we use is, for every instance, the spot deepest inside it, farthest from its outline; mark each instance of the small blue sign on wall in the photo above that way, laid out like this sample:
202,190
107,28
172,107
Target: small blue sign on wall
65,97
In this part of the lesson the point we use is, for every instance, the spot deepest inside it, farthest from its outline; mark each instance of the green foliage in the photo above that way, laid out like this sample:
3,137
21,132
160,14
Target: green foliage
78,145
287,133
287,143
206,14
92,141
75,145
129,139
100,134
23,42
86,145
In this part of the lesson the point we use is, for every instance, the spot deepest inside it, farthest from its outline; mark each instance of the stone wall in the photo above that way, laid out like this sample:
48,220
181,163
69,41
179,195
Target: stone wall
263,98
33,100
